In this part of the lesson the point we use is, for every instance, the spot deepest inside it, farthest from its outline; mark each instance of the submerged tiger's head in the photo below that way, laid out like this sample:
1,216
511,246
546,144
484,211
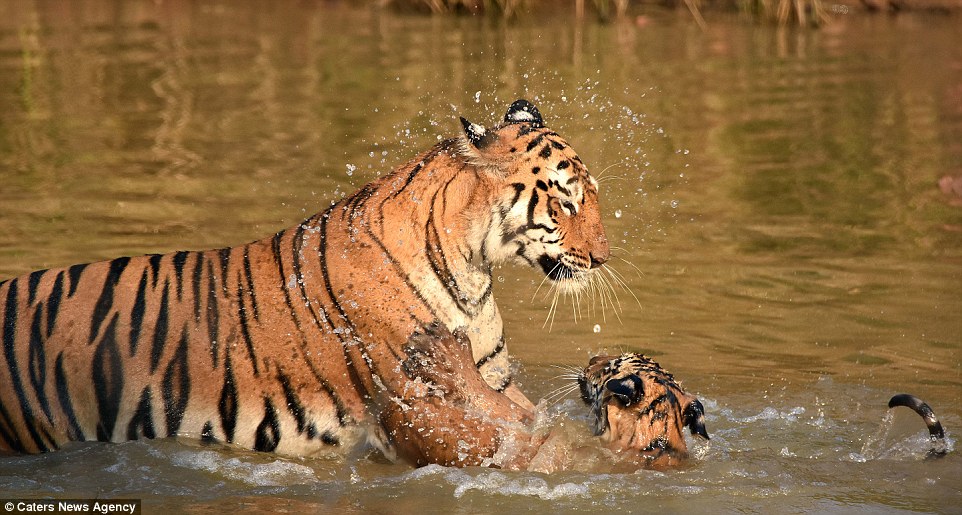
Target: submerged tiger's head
638,406
545,213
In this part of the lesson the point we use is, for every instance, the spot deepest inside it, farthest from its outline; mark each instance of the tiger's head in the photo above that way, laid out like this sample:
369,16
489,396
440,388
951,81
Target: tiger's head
638,406
545,209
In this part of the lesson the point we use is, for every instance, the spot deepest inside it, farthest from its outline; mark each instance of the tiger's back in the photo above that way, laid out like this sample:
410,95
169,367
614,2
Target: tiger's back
165,347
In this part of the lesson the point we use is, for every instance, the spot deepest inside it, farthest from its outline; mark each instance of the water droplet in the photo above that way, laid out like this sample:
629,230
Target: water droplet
500,278
674,203
477,97
618,213
597,328
350,169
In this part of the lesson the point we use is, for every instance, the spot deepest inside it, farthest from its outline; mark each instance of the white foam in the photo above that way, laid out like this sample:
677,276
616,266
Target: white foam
275,473
500,483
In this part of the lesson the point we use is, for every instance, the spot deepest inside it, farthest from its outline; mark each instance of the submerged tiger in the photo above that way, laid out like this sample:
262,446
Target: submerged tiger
639,409
325,335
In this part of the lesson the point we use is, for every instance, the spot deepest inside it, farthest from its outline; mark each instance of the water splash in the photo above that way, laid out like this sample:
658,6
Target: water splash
917,446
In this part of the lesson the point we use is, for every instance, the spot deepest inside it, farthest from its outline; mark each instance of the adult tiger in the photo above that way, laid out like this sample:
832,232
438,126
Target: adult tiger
298,343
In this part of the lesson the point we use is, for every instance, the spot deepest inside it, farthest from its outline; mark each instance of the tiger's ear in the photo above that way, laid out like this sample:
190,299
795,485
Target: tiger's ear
523,111
694,419
477,135
628,389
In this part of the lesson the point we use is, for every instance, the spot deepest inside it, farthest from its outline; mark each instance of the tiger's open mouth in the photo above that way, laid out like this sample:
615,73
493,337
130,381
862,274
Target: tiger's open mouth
555,269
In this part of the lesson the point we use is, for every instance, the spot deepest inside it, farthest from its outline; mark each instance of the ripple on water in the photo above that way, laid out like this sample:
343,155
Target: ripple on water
274,473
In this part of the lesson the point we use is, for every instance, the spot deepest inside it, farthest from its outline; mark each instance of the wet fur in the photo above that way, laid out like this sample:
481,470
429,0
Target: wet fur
302,342
639,408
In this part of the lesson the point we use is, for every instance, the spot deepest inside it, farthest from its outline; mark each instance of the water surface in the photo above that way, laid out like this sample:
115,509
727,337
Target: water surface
772,194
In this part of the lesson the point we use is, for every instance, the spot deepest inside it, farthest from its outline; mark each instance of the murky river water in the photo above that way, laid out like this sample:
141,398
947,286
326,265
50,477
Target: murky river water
773,194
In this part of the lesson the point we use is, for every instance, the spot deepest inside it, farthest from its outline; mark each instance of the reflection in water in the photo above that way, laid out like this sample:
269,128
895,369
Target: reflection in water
781,222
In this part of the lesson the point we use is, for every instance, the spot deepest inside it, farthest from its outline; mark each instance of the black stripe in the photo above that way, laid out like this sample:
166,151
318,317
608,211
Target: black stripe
74,432
436,258
75,272
410,178
33,280
444,193
9,351
207,433
9,328
49,438
352,365
223,255
142,423
317,318
180,259
534,142
250,282
518,189
497,350
398,269
328,438
359,199
293,403
9,438
486,293
228,407
38,362
53,303
507,380
212,314
154,261
245,330
137,313
160,328
175,387
297,242
195,284
545,152
268,434
108,381
102,308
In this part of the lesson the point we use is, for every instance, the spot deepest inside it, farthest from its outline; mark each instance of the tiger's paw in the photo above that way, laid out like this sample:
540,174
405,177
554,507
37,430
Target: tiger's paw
438,357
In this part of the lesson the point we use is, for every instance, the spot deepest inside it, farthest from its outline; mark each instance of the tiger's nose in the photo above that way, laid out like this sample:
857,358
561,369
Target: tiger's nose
599,257
599,252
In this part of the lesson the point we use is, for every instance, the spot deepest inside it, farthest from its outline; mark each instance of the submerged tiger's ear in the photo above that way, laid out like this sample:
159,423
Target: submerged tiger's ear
628,389
523,111
475,133
694,416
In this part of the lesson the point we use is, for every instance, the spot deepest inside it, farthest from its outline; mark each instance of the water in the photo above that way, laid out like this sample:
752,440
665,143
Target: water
773,195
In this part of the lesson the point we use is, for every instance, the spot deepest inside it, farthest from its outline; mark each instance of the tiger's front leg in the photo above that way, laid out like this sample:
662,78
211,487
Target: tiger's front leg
448,415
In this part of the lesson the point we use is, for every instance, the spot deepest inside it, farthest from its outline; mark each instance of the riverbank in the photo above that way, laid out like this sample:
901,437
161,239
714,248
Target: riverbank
782,12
